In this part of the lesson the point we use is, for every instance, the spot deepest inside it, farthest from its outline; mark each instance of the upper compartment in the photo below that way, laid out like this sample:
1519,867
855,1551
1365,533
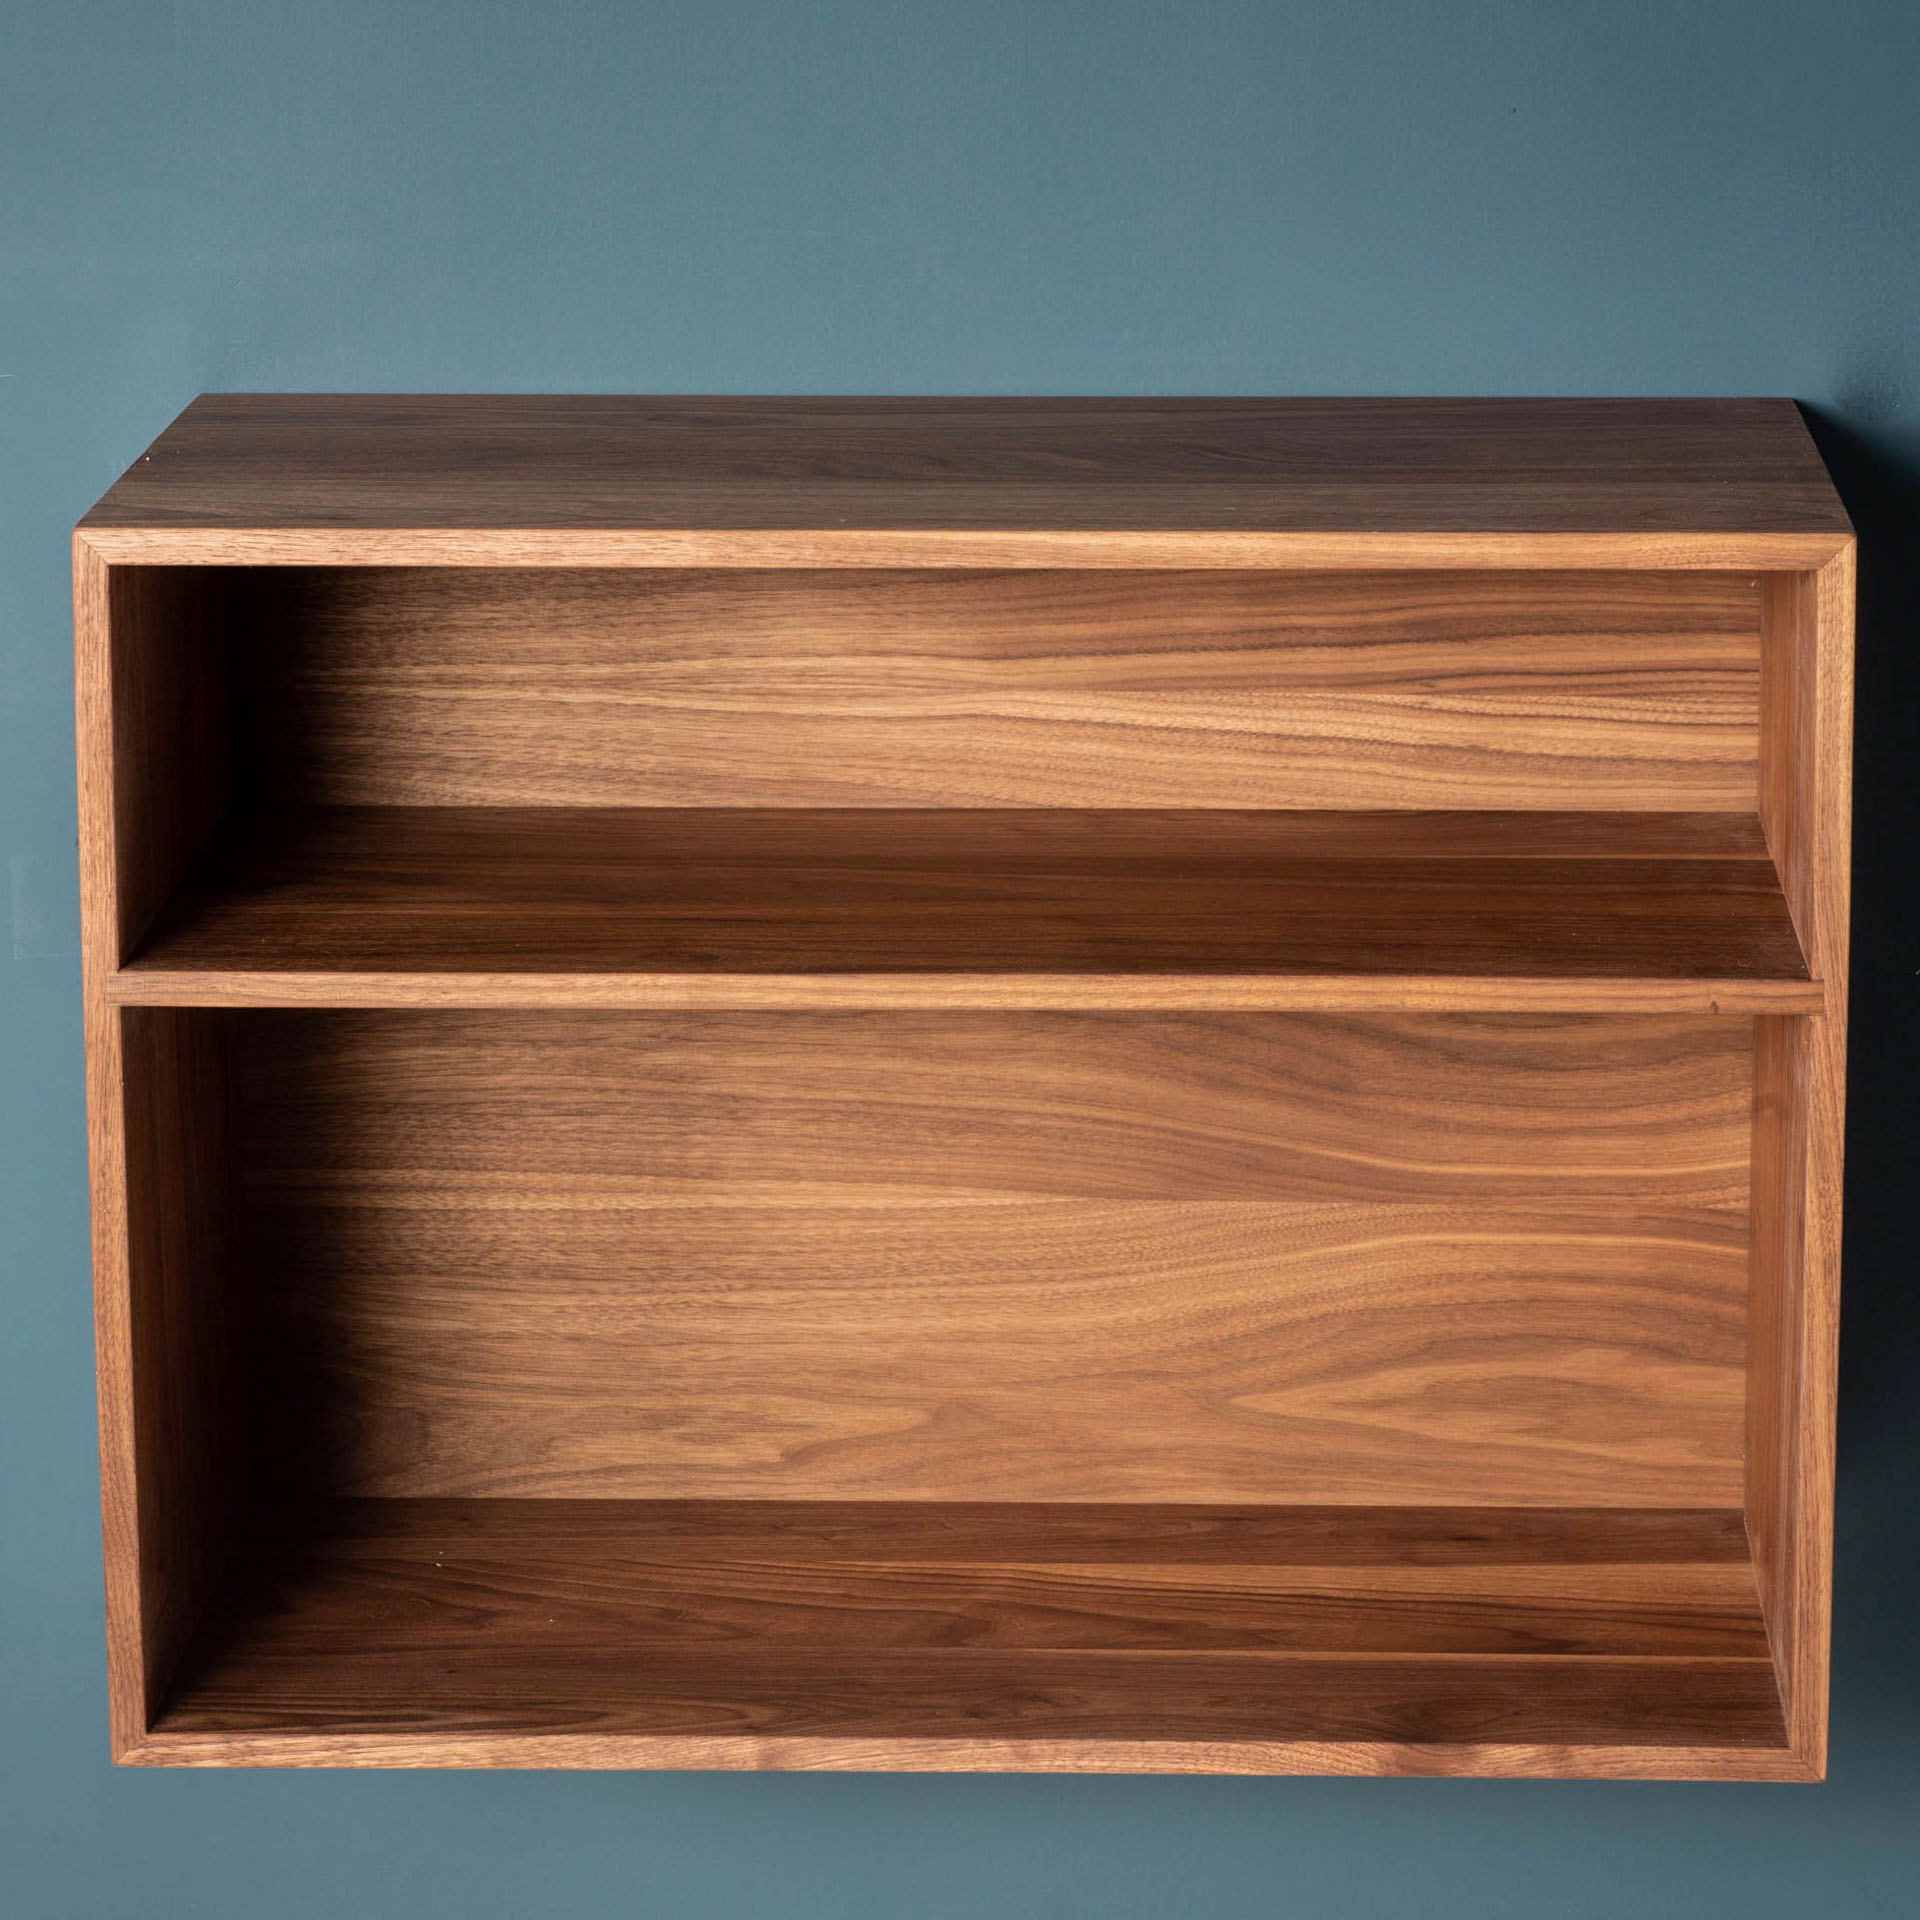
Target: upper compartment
659,702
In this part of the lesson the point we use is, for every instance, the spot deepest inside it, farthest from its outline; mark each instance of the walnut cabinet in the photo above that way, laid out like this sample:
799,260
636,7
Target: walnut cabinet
976,1084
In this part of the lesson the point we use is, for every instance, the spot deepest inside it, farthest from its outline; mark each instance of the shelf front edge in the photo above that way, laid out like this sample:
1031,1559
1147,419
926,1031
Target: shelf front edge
1037,992
852,1754
801,547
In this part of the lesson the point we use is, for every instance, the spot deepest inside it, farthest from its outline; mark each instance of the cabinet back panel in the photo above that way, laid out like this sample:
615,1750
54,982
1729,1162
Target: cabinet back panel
983,1256
610,687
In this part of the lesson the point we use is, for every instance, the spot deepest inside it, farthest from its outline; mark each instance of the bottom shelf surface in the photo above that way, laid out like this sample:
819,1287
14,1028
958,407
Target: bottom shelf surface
1033,1637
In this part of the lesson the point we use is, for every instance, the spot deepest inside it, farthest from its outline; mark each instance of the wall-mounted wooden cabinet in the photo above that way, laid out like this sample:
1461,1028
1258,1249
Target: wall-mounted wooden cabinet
968,1084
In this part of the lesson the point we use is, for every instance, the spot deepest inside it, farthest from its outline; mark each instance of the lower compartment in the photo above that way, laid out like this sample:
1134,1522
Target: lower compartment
739,1633
1254,1393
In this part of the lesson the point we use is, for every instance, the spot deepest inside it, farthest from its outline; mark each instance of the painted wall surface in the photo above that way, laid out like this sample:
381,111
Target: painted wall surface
1193,196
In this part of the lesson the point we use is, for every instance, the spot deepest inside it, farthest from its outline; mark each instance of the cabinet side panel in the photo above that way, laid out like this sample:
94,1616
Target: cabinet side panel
1777,1321
688,688
150,730
1800,1095
168,694
106,1149
179,1351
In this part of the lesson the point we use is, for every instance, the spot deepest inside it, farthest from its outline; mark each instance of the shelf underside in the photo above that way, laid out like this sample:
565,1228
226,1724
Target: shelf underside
748,907
735,1633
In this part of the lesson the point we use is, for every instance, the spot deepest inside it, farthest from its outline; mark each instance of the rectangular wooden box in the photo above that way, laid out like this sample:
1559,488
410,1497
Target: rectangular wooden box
1109,1085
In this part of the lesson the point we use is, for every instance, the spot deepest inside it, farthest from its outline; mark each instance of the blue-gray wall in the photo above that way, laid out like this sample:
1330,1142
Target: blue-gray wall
1216,196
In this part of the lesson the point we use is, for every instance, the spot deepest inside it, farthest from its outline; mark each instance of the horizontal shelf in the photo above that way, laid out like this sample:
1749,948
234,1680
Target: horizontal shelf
480,470
883,1634
745,908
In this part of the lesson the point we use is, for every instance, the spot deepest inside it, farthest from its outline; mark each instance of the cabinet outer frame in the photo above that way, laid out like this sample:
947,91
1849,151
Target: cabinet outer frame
164,1525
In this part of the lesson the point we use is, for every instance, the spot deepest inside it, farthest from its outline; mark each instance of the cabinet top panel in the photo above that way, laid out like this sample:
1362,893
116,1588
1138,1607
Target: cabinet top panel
1132,469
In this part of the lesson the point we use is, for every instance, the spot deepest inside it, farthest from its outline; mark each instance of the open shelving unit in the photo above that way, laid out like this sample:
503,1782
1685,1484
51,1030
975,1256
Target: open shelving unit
1109,1085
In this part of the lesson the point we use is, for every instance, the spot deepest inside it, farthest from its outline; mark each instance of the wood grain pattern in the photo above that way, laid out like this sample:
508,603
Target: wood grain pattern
100,952
1088,1260
1082,1624
176,1364
867,1576
1101,550
354,462
1778,1314
980,1106
155,986
1799,1126
603,687
678,897
146,653
1057,1350
1570,1757
989,1695
166,716
1393,1542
